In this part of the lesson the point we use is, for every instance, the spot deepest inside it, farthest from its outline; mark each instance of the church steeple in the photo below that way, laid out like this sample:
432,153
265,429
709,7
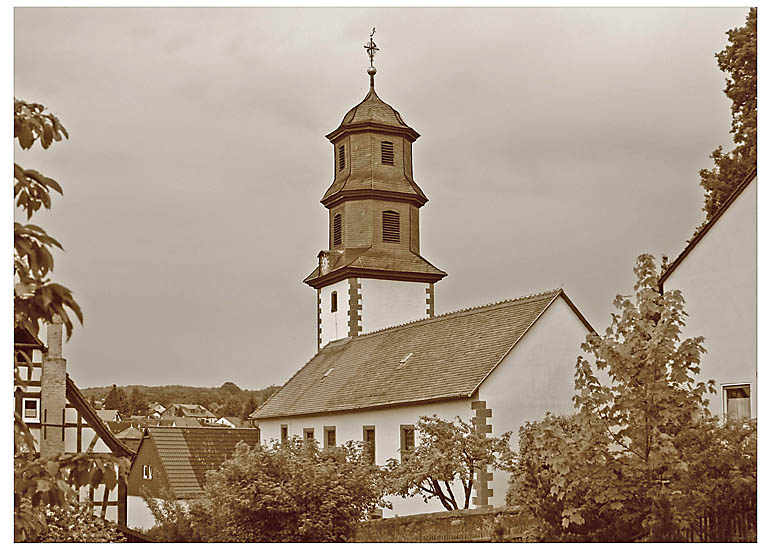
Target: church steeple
374,227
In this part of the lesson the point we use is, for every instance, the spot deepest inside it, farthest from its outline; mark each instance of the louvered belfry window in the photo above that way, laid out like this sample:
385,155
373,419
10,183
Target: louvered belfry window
390,226
341,157
337,230
387,152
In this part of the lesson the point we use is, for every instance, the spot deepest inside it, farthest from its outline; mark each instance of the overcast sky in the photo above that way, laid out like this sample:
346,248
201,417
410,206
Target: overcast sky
556,145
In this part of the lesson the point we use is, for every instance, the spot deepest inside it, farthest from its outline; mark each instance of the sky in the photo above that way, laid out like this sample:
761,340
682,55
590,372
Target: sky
556,145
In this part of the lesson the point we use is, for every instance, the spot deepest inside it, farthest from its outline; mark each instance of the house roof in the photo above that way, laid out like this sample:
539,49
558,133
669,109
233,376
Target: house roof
444,357
373,111
705,229
23,338
186,454
192,409
107,414
78,401
370,261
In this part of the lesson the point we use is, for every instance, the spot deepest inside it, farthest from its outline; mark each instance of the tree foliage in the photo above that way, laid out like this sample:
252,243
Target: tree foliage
739,61
444,461
630,464
288,492
36,298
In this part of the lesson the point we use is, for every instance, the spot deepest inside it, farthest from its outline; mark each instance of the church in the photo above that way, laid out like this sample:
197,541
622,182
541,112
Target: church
384,357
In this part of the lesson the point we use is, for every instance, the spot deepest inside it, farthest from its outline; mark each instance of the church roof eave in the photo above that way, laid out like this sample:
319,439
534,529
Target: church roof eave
345,129
333,198
318,281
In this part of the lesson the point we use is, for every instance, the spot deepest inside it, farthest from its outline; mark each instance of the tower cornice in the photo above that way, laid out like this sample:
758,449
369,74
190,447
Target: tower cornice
362,194
347,129
364,273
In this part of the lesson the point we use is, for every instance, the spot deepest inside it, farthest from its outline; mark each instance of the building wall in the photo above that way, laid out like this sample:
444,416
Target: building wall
536,377
349,426
139,515
718,279
388,303
334,325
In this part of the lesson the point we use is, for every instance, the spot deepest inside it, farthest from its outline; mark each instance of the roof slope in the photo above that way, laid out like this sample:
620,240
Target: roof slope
188,453
705,229
446,357
376,259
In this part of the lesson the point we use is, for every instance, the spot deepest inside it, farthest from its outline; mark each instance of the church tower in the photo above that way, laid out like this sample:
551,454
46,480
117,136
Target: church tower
372,276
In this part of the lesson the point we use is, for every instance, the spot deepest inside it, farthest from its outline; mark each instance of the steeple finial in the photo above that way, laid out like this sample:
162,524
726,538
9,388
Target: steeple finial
372,49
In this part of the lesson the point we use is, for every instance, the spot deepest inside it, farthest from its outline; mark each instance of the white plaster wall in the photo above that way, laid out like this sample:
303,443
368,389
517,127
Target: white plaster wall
334,325
387,422
138,513
388,303
536,377
718,279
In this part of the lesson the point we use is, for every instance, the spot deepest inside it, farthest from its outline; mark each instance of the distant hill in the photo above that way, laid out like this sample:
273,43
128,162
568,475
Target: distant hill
227,400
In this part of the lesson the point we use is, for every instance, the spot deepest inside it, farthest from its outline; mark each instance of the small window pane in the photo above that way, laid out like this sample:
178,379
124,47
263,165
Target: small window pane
30,408
737,400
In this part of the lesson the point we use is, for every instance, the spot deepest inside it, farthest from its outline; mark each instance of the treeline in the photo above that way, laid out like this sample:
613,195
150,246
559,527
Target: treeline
227,400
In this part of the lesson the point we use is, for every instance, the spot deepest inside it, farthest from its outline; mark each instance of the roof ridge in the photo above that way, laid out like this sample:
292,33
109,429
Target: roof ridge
462,312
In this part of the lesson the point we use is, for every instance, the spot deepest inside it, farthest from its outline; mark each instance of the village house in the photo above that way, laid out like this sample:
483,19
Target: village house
384,357
60,417
191,411
173,461
717,275
231,422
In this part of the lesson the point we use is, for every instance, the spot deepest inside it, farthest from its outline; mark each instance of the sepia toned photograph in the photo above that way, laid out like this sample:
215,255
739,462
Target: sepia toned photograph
385,274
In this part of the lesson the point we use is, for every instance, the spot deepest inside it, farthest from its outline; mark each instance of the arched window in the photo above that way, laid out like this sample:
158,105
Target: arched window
337,230
341,157
334,301
387,152
390,226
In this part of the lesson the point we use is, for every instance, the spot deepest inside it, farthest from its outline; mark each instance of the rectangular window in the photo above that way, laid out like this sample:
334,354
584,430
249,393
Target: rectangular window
407,443
307,435
30,407
337,230
330,437
284,433
387,152
369,443
390,226
333,307
147,471
736,402
341,157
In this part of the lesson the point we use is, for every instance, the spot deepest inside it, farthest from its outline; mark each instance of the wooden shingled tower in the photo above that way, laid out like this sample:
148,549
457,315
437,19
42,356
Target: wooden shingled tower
372,275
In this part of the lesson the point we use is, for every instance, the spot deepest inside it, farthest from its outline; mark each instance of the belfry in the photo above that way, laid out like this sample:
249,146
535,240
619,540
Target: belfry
372,275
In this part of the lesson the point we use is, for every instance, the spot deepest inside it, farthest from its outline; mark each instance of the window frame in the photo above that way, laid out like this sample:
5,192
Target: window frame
337,230
330,430
306,433
371,450
333,302
394,217
32,419
341,157
403,451
724,391
147,471
283,433
385,145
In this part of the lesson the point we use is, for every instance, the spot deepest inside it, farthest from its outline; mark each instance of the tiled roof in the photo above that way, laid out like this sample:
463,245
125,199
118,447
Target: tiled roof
373,110
705,229
188,453
439,358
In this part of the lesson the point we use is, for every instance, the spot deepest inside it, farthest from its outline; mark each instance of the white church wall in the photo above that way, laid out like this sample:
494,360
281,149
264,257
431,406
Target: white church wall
334,325
388,303
718,279
536,377
349,426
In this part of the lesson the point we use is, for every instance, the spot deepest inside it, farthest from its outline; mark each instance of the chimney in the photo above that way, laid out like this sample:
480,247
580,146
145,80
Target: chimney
53,390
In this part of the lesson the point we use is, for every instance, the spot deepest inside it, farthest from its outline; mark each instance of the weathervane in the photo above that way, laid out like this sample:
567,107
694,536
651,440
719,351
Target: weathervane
372,49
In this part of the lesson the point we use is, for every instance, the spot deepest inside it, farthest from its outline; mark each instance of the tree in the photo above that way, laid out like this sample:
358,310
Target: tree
43,481
448,453
739,60
137,402
76,524
117,400
288,492
249,407
629,465
36,298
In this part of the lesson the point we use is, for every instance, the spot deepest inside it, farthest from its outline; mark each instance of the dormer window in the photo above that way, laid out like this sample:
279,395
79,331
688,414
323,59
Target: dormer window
334,301
341,158
390,226
337,230
387,152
